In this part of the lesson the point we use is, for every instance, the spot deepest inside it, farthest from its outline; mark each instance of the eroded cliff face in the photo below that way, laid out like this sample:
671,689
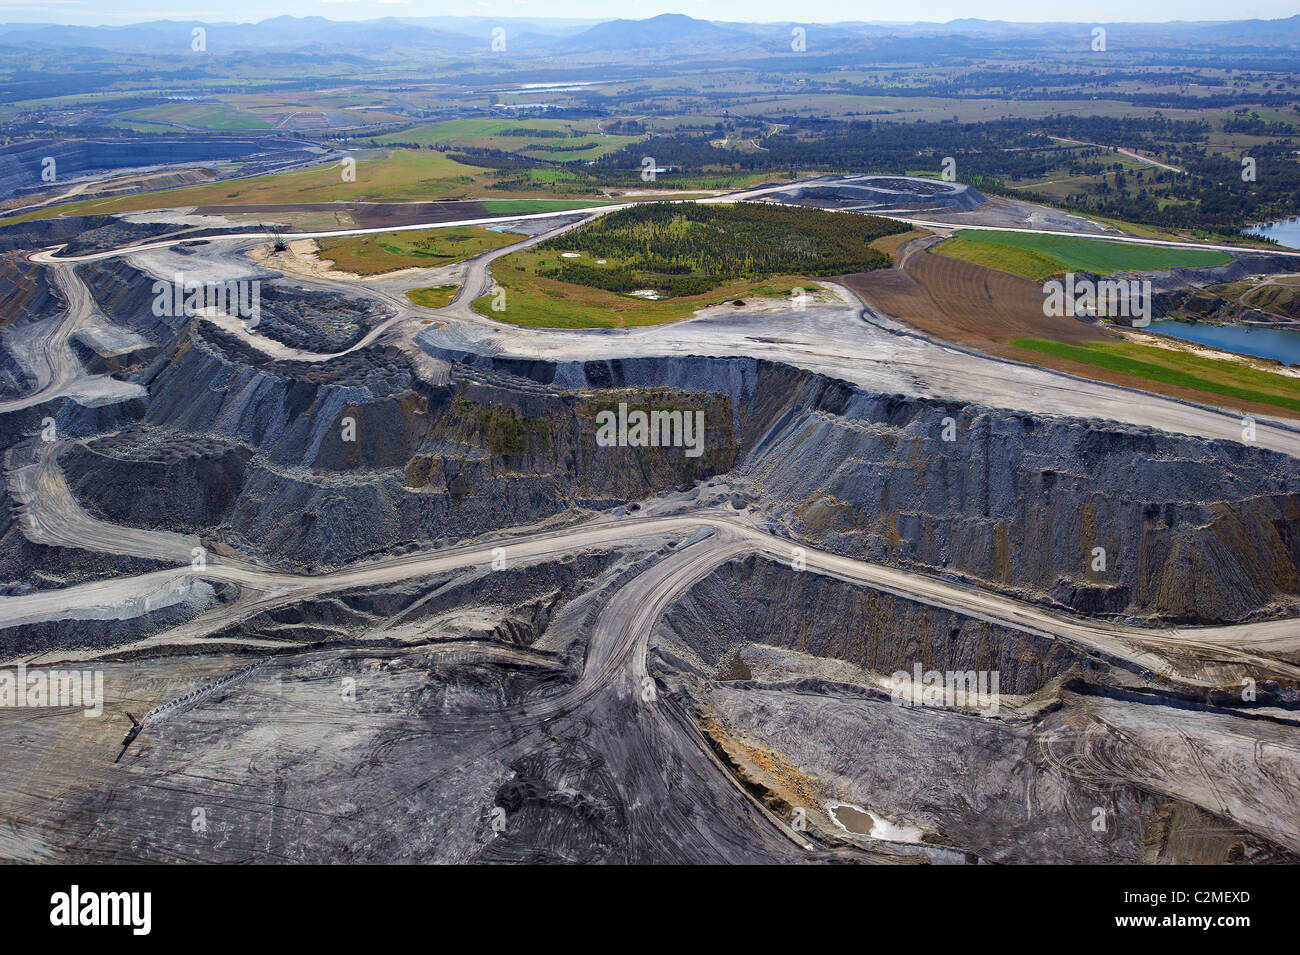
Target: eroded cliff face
747,601
1188,529
159,480
303,464
353,456
25,290
1095,517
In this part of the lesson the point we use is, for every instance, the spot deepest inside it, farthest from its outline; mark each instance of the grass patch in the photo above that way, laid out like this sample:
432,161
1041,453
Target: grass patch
432,296
508,207
553,140
1039,257
1151,362
402,175
890,244
540,302
205,114
389,251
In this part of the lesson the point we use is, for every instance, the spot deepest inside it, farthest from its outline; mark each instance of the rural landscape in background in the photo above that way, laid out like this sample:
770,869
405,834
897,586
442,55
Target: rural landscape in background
663,440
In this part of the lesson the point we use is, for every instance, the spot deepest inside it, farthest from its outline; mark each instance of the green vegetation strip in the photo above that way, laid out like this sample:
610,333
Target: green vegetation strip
1038,256
545,303
422,175
389,251
432,296
507,207
1178,368
553,140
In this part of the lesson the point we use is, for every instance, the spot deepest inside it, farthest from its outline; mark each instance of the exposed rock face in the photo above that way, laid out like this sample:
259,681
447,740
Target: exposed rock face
750,600
15,380
26,567
125,296
352,457
782,672
79,233
1204,306
192,598
165,481
117,355
25,290
1206,531
26,295
357,455
306,319
1244,265
315,321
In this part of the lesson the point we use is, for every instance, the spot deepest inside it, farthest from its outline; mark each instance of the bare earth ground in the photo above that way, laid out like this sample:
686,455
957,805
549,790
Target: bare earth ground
984,309
364,215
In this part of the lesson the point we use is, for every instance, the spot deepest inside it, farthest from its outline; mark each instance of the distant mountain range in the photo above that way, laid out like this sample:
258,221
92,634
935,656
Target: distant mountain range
671,33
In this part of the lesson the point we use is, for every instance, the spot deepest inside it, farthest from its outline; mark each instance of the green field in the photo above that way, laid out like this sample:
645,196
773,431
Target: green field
1038,257
426,248
403,175
1223,378
552,140
205,115
432,296
511,207
540,302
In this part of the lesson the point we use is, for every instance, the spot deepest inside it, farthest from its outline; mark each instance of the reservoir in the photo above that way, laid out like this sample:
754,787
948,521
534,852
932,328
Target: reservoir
1285,231
1243,339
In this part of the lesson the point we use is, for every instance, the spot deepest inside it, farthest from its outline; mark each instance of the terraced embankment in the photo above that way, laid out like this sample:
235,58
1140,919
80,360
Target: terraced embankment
487,636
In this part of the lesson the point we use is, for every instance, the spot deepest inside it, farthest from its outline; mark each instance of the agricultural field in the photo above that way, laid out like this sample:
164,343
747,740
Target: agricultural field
202,115
390,251
550,140
381,175
1039,257
1001,313
890,244
510,207
1176,367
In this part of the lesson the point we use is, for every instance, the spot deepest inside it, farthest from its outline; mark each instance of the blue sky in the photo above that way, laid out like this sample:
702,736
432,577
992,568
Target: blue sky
812,11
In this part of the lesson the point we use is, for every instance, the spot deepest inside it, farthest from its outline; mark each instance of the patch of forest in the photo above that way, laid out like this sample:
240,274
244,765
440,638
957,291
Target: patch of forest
688,248
1211,195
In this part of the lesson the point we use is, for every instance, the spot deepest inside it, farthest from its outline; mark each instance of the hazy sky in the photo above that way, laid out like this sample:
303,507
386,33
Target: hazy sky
1095,11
